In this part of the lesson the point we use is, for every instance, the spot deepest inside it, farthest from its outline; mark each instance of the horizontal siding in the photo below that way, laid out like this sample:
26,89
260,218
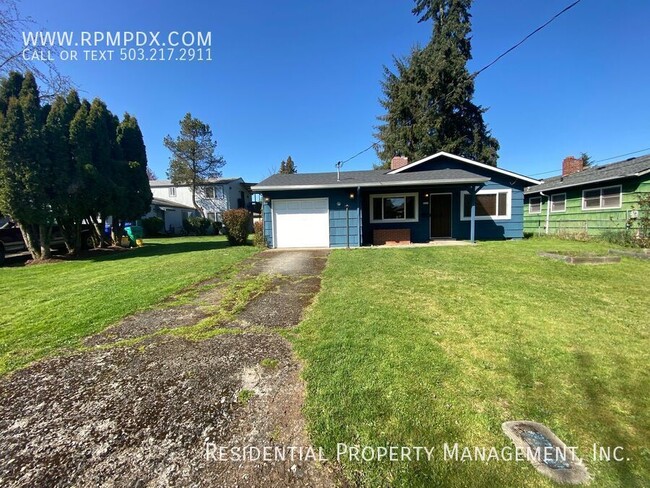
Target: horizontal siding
339,228
593,222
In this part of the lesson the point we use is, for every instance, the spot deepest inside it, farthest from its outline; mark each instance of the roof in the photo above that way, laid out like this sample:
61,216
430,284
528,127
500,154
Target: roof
368,178
161,202
614,171
217,181
464,160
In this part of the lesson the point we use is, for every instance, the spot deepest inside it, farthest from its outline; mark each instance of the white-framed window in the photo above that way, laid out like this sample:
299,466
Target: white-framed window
219,193
601,198
535,205
209,191
172,191
558,202
212,216
490,205
398,207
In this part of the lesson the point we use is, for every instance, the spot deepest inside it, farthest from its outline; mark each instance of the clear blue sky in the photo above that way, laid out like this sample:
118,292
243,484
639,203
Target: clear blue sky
303,77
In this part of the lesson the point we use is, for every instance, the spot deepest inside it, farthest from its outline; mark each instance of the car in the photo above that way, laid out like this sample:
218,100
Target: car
11,239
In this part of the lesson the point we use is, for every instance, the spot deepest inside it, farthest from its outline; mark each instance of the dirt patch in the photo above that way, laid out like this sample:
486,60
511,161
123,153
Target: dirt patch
143,414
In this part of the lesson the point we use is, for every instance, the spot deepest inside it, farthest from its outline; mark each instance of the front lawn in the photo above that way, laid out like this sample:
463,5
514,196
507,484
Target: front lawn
426,346
50,306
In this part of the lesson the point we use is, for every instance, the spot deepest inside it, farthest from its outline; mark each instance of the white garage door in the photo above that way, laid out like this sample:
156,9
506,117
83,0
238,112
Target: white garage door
301,223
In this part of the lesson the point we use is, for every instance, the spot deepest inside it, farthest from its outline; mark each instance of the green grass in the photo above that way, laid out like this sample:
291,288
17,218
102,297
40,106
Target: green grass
426,346
48,307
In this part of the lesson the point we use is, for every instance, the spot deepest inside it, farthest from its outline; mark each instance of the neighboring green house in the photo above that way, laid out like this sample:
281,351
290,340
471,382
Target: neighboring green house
592,200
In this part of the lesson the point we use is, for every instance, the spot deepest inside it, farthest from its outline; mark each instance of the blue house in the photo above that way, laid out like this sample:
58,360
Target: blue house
442,196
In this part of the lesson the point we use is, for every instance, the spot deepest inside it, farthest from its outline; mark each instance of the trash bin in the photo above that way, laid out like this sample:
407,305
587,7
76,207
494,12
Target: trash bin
135,233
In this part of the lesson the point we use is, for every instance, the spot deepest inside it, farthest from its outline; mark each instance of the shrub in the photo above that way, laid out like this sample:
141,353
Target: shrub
258,234
237,223
196,225
152,226
625,238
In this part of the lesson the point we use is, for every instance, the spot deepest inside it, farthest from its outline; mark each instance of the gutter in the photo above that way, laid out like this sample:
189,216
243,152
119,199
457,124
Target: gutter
260,188
532,190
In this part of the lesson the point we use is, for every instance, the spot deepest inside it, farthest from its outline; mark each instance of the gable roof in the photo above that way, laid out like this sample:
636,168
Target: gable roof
629,168
214,181
368,178
464,160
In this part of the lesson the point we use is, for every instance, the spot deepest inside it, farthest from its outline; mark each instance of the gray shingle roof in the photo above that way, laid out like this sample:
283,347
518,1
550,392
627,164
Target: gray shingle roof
220,181
613,171
161,202
302,181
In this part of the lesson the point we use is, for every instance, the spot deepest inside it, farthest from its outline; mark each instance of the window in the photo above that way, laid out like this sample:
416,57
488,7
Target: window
535,205
490,205
172,191
394,208
558,202
601,198
220,192
212,216
209,191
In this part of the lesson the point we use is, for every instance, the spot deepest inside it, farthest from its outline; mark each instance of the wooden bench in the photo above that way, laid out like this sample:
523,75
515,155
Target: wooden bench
391,237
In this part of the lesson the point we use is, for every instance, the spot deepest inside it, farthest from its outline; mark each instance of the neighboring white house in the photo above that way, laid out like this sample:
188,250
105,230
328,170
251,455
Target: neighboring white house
213,198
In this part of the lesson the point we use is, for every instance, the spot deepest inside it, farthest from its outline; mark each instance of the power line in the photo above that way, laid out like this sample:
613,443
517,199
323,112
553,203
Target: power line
566,9
489,64
598,161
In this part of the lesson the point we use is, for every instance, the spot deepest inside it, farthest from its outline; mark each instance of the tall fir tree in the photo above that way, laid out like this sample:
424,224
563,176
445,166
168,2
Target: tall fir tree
193,160
428,99
288,167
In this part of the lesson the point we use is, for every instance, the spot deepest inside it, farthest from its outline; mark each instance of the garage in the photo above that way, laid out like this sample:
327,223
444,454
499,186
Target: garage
301,222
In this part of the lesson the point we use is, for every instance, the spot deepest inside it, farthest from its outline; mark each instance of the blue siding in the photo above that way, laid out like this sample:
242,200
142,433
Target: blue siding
361,230
338,199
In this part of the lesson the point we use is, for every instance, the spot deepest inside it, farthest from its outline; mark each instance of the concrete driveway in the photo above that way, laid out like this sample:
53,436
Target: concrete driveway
145,402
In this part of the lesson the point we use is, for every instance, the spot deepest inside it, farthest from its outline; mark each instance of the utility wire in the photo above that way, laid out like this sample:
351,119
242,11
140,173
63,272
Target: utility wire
566,9
489,64
598,161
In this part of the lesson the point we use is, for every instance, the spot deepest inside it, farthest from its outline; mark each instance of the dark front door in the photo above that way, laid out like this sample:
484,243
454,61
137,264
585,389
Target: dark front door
440,208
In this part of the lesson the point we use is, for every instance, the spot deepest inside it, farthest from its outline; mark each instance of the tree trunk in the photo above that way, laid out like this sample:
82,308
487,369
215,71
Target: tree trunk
117,231
98,231
68,231
31,240
44,238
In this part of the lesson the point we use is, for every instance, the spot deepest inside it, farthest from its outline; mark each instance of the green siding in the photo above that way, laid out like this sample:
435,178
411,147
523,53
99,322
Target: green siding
594,222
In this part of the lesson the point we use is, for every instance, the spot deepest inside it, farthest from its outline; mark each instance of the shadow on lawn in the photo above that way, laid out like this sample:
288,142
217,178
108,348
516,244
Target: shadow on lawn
114,254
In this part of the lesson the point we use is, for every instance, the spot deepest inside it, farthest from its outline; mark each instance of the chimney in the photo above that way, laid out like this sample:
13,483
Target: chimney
571,165
398,162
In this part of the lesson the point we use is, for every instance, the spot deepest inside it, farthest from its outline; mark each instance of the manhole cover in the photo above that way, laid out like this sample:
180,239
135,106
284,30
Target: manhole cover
546,452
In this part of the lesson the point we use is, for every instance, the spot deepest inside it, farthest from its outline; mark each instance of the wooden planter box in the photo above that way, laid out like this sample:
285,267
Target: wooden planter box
584,259
391,237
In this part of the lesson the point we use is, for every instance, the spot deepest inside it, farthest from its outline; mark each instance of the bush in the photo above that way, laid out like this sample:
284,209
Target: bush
196,225
152,226
237,224
625,238
258,236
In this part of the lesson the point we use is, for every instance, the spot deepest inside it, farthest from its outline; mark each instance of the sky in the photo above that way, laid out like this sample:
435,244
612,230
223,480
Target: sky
302,78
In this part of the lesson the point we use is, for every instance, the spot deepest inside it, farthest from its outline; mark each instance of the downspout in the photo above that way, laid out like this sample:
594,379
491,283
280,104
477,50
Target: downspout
472,217
548,211
359,217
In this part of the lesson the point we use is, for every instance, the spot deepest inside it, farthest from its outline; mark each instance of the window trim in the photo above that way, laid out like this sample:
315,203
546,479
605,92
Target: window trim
496,191
395,195
530,203
600,207
172,191
205,192
551,202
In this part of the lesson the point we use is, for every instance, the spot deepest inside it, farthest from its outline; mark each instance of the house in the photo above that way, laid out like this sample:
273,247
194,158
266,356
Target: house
213,198
592,200
442,196
172,214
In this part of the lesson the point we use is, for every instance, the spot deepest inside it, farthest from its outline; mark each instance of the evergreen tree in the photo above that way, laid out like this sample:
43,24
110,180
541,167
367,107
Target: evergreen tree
24,167
193,160
428,100
586,160
288,167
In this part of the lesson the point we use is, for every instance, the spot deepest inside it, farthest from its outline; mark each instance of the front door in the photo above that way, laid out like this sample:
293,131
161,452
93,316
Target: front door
440,209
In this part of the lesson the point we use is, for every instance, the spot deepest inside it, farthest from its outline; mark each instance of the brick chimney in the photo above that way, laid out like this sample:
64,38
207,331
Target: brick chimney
571,165
398,162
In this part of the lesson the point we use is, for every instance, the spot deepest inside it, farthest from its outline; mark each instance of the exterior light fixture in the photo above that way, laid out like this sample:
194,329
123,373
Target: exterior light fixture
267,199
352,195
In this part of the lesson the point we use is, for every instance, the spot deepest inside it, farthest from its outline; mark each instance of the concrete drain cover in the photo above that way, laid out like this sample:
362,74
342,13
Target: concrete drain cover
546,452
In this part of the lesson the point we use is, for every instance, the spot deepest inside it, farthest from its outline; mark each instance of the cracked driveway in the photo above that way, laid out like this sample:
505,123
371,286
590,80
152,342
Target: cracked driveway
139,403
